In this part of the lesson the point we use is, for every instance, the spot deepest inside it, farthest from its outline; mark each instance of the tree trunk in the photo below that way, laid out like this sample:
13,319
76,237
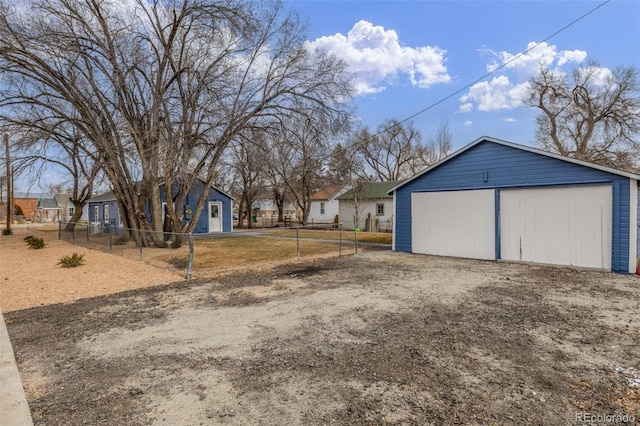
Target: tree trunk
77,214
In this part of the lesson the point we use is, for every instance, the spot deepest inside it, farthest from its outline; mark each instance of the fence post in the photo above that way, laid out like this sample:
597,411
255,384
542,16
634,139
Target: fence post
88,231
60,230
73,235
298,242
190,264
140,235
340,245
110,242
355,235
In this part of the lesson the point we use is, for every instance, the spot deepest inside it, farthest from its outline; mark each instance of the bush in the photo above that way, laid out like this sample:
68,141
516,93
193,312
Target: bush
6,231
72,261
34,242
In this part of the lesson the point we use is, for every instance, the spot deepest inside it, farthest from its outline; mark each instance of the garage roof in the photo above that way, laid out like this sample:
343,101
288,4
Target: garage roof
516,146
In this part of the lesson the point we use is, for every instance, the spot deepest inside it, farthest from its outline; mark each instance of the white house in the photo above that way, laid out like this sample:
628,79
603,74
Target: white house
324,205
369,207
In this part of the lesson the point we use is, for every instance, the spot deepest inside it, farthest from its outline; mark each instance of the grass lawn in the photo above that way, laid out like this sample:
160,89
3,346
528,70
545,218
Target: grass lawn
364,237
226,252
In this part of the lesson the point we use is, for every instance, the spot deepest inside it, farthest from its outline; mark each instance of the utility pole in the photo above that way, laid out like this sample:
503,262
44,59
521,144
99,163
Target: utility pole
9,184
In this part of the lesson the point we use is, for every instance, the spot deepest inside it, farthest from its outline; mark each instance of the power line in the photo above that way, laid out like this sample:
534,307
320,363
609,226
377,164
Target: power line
467,86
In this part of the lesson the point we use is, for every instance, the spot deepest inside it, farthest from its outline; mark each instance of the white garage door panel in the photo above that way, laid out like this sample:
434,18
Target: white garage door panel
454,223
564,226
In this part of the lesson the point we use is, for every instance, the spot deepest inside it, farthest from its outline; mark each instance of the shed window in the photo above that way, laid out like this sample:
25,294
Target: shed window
380,209
321,208
72,210
96,214
106,214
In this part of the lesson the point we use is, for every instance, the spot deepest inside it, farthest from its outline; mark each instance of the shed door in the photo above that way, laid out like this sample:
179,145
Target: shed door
454,223
562,226
215,217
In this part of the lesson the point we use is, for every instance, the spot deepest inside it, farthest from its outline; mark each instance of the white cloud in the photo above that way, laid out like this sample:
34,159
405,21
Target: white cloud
497,94
509,120
466,107
467,123
599,78
378,59
536,55
508,89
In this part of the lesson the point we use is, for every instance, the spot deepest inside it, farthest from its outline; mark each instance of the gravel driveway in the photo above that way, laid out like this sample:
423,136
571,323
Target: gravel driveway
377,338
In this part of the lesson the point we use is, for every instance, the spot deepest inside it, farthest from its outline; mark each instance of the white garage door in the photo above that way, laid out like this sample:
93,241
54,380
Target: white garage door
454,223
563,226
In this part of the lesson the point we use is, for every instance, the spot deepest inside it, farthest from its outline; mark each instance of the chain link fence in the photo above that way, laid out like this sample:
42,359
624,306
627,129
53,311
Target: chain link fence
199,255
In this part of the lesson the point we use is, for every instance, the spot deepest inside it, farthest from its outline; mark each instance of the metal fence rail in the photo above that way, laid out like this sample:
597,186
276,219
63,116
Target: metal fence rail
180,251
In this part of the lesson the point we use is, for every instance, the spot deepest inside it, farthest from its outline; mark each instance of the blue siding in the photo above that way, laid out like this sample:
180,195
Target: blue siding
191,200
492,165
114,213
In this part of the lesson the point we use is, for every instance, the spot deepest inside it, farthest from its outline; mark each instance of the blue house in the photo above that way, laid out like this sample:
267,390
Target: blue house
215,217
497,200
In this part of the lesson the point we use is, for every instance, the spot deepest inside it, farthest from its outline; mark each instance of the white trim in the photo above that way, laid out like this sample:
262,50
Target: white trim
516,146
633,225
393,224
220,205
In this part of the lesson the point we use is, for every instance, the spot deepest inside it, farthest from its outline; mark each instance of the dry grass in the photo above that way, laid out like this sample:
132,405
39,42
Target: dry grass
347,235
221,253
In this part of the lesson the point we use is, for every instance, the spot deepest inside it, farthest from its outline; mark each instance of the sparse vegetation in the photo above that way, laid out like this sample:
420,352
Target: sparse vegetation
7,232
34,242
179,262
120,241
72,261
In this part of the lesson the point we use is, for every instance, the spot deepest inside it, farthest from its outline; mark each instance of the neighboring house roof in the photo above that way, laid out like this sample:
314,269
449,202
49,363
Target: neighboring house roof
371,191
212,186
110,196
106,196
62,199
520,147
48,204
328,193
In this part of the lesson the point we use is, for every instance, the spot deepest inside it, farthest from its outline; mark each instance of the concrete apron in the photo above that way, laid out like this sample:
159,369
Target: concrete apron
14,409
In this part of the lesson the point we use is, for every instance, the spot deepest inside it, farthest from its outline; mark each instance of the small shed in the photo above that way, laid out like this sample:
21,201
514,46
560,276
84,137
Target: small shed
496,200
215,217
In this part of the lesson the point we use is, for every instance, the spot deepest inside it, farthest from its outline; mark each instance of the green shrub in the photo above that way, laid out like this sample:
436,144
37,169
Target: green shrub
6,231
72,261
34,242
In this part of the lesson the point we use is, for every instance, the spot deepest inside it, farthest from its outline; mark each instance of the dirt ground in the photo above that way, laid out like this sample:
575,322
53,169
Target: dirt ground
376,338
31,277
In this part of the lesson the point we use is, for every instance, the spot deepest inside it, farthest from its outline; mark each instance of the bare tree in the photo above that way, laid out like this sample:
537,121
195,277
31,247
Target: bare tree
161,88
299,157
396,150
593,116
276,180
249,167
437,148
389,152
44,143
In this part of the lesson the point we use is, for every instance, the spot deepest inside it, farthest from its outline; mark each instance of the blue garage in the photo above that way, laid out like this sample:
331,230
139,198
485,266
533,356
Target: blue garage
497,200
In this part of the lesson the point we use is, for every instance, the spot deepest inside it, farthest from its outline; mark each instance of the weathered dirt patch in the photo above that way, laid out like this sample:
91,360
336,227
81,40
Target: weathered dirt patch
372,339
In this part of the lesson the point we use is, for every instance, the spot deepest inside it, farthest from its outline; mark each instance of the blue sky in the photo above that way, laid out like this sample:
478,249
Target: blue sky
408,55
